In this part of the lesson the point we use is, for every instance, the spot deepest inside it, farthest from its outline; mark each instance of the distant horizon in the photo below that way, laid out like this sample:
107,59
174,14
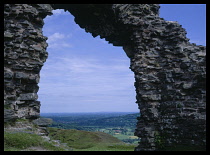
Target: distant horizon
91,112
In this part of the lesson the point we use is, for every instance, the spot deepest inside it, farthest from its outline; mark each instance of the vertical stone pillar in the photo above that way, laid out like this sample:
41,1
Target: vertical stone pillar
168,72
145,65
24,55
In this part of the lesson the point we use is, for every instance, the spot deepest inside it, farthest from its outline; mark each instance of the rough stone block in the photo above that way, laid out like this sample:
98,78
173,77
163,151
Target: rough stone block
8,35
8,75
152,97
20,75
28,96
187,85
9,115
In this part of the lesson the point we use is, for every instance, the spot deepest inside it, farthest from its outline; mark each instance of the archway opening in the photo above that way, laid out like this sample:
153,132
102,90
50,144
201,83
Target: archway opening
82,73
86,75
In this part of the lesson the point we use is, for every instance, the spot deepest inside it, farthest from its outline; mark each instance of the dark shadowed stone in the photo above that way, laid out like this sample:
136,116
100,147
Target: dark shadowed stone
9,115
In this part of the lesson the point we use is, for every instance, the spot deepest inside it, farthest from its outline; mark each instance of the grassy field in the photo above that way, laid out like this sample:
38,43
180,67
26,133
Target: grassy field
77,132
24,141
80,140
76,141
124,134
119,125
108,147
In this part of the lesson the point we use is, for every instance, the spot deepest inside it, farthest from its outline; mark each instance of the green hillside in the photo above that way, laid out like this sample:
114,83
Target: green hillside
119,125
69,140
21,141
89,141
76,132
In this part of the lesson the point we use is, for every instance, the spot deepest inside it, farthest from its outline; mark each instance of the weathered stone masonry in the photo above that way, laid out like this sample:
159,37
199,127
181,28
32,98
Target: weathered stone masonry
170,72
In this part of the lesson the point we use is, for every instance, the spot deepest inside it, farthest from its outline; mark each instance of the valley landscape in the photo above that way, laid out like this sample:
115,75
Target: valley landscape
99,131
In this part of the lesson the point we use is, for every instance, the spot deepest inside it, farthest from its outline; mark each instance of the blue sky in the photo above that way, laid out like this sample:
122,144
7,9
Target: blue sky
86,74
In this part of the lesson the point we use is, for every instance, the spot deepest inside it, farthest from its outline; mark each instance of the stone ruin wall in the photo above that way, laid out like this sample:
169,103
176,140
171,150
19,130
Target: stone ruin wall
170,72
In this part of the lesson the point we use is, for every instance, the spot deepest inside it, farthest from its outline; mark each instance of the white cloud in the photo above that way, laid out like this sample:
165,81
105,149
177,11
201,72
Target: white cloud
58,40
78,83
59,45
85,76
54,37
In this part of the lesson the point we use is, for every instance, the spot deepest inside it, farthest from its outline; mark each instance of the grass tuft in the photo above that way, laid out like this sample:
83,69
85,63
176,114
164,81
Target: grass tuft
19,141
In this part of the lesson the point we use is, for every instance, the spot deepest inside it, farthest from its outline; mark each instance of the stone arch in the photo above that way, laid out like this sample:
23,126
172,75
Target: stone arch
169,71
